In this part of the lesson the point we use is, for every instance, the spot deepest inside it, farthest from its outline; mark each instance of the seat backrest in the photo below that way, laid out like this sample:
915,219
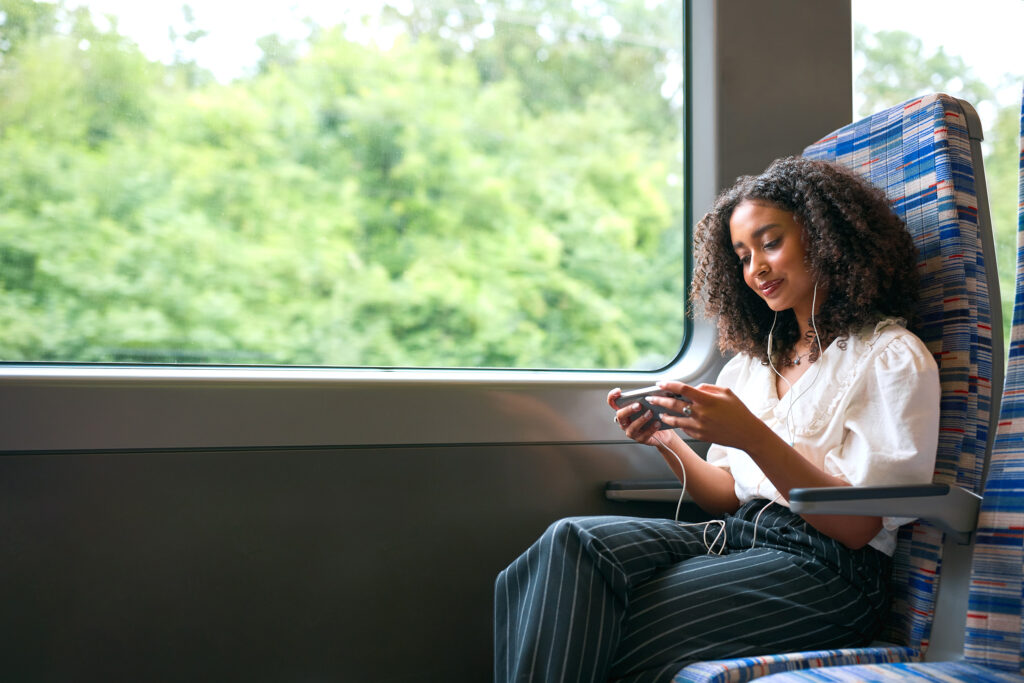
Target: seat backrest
996,603
921,154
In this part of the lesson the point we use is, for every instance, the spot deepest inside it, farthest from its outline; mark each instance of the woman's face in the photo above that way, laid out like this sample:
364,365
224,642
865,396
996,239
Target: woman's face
769,244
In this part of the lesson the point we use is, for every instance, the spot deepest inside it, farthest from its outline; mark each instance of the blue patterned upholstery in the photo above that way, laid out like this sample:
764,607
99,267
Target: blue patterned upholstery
940,672
920,154
996,600
747,668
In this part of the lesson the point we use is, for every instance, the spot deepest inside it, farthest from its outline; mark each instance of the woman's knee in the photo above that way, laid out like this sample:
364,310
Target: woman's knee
569,529
559,534
601,538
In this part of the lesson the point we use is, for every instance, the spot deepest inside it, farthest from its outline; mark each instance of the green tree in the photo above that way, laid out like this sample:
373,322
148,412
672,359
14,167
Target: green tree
896,69
345,203
22,21
563,53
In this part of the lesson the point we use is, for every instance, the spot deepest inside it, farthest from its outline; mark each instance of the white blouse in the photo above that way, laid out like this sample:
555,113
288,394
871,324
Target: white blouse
868,414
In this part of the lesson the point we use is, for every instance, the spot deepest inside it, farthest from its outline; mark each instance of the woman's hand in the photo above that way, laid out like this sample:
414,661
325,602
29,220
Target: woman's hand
641,426
710,413
710,486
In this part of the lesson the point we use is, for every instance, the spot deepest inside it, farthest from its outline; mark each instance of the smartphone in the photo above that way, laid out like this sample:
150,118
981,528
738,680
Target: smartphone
640,396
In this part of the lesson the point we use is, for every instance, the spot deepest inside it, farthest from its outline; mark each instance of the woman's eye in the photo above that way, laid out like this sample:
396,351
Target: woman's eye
772,244
745,259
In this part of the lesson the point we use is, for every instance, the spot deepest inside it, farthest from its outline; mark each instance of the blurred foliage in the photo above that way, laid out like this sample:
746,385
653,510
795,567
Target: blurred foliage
897,69
461,196
496,184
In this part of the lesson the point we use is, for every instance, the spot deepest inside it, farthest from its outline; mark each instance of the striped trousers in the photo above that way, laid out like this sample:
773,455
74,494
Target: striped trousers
620,598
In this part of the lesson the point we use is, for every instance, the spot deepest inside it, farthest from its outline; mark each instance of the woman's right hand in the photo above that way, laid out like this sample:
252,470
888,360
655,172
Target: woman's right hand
642,427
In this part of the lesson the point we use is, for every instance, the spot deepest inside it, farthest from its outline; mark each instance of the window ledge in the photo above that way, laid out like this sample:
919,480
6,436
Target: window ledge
57,408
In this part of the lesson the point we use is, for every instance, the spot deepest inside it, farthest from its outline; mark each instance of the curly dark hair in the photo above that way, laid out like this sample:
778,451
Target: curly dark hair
857,249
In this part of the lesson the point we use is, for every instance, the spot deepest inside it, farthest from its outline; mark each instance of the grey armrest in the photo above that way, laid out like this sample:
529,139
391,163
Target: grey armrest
951,508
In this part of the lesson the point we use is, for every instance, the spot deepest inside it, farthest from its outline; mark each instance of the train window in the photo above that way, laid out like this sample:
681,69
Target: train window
970,51
447,183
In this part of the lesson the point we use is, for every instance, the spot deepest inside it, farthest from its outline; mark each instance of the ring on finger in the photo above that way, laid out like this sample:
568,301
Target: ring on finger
686,412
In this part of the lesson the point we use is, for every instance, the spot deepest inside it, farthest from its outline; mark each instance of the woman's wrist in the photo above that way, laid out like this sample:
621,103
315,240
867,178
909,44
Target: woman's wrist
754,439
671,442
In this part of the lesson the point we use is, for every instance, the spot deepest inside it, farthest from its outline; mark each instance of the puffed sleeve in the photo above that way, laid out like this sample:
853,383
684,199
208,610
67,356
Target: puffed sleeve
729,377
892,421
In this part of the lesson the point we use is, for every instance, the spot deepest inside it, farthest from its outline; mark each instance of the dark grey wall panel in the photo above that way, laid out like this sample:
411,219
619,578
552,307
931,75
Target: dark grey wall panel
318,565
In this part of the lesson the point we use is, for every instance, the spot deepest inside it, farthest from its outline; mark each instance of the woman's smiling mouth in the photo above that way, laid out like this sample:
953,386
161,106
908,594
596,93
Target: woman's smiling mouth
769,288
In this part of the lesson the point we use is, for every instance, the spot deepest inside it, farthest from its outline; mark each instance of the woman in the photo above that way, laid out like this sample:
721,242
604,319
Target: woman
810,276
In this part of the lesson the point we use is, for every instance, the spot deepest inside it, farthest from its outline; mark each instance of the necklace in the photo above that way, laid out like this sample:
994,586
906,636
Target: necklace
795,360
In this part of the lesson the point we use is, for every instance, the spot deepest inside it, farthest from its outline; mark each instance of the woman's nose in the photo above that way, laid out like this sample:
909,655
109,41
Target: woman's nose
757,266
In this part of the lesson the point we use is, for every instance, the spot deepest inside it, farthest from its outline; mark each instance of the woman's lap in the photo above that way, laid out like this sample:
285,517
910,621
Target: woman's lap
744,603
644,595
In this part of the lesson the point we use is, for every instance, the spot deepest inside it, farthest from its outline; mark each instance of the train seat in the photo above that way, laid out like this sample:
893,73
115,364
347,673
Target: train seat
926,155
994,646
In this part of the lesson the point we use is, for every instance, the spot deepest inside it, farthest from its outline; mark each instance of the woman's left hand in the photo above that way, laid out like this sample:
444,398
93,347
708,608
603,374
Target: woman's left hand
714,414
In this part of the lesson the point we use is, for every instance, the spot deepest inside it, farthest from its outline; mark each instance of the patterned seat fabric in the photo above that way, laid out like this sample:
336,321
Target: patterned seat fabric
748,668
996,600
940,672
920,154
